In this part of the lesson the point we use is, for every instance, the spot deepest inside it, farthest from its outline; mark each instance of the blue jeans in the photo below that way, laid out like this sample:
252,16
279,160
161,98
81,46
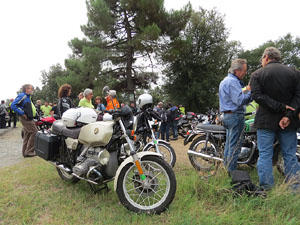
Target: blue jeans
165,130
288,145
174,128
234,124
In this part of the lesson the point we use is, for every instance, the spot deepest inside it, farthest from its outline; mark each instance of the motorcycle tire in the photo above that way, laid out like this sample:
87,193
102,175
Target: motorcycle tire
66,176
199,163
280,162
143,197
166,150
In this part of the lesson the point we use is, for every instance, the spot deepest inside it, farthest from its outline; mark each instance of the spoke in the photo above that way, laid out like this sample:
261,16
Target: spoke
140,195
157,200
155,192
155,176
135,188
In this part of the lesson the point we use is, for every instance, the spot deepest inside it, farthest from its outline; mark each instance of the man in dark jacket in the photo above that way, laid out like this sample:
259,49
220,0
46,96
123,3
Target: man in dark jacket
276,88
23,106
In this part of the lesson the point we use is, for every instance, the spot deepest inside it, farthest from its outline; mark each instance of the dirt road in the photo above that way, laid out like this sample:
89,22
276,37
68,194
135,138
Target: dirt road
10,147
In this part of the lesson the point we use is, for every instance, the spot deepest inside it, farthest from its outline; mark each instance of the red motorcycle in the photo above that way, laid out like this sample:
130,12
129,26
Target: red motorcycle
42,123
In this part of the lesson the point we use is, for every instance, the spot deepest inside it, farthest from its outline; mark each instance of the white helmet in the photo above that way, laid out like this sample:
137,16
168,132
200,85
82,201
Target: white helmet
82,115
144,101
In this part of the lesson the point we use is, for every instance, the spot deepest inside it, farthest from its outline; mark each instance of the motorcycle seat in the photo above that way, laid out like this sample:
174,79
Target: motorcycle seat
59,128
211,128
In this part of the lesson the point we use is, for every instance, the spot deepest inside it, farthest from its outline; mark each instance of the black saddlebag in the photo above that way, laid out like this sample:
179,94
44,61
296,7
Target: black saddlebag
46,145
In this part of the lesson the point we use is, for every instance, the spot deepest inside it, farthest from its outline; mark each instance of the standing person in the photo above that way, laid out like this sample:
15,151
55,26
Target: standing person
133,108
182,109
38,107
87,100
46,108
54,110
64,102
158,109
12,115
111,100
3,113
165,123
99,105
175,115
23,106
276,88
233,103
80,96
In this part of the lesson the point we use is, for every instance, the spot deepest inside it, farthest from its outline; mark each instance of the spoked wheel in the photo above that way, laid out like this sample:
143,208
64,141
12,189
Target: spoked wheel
152,195
202,163
166,150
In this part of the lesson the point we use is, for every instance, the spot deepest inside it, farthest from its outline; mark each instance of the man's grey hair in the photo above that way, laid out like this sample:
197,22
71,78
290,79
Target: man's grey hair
25,86
113,93
87,92
237,64
273,53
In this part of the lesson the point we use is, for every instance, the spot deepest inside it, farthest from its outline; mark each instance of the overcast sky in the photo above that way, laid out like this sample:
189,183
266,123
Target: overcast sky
35,33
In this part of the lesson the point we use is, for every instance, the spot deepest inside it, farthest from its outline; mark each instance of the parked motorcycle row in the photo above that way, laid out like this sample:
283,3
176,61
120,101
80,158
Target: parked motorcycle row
206,151
123,148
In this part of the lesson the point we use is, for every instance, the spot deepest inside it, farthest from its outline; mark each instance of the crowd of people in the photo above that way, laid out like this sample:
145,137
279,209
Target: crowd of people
170,114
7,115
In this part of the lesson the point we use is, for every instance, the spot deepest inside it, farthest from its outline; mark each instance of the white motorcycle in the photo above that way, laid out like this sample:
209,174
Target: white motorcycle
98,152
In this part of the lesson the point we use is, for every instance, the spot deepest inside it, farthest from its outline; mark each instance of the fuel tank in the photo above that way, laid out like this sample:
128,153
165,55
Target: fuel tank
96,134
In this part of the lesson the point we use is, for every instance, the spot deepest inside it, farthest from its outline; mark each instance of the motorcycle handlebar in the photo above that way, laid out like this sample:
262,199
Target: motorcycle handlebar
154,114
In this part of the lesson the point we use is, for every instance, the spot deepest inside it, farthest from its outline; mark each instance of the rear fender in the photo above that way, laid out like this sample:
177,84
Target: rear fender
130,160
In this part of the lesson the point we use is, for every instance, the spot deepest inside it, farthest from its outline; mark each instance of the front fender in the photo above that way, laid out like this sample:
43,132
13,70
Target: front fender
189,138
130,160
158,142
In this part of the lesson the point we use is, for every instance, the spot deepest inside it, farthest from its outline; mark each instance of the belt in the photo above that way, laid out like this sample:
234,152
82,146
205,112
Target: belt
229,111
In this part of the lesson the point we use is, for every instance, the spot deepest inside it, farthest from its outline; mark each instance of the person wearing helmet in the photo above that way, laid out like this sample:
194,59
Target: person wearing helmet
111,100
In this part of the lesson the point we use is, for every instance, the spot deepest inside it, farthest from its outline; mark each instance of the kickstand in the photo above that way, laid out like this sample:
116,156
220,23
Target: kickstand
96,188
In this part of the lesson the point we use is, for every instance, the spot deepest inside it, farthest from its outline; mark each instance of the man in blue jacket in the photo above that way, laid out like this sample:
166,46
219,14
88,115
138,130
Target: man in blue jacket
23,106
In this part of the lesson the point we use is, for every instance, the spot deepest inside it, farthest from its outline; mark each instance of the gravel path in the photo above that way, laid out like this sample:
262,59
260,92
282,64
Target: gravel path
10,146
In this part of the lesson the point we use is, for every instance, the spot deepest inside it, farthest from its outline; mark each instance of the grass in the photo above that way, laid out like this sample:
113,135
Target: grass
31,192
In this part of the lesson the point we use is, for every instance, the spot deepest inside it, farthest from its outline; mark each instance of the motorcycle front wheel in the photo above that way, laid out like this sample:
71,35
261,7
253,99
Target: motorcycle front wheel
152,195
201,163
166,150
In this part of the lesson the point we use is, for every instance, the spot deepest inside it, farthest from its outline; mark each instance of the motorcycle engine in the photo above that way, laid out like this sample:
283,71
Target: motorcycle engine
90,160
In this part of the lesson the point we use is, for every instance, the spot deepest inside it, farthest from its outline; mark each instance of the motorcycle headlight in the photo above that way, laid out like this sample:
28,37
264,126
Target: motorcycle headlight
103,157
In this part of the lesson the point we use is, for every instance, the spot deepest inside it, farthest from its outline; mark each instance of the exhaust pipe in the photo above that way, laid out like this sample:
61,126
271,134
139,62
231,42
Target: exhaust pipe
62,167
190,152
66,169
81,178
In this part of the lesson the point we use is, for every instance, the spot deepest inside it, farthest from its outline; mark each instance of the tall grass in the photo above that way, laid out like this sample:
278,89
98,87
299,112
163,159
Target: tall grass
31,192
